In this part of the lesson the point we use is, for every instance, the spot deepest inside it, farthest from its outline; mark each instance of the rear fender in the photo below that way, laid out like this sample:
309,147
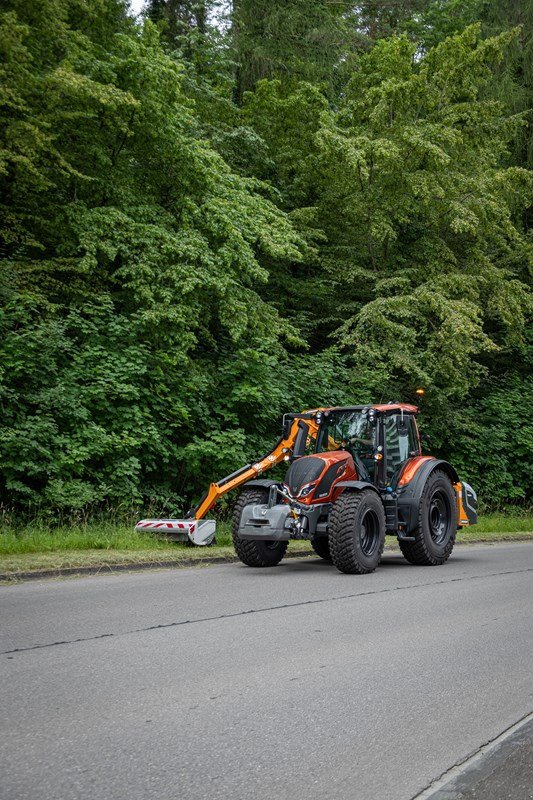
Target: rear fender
416,485
409,495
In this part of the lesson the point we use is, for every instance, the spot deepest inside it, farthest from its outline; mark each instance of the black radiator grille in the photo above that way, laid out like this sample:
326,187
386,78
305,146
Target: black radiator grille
303,471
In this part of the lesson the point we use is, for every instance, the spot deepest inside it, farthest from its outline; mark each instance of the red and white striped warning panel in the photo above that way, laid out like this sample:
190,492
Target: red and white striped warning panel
199,531
184,525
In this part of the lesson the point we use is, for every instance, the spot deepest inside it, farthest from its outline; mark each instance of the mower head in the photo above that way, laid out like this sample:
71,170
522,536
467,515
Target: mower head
199,532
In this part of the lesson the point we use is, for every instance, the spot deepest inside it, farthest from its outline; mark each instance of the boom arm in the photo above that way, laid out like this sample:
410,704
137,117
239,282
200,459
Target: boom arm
282,449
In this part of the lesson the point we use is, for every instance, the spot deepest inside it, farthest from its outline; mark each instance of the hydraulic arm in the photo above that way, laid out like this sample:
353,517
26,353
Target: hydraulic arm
202,531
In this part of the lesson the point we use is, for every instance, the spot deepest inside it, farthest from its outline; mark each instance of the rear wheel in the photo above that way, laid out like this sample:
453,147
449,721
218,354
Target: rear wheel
357,532
437,523
255,553
320,545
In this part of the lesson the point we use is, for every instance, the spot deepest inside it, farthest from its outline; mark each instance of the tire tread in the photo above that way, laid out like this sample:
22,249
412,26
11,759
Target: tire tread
417,552
341,522
320,545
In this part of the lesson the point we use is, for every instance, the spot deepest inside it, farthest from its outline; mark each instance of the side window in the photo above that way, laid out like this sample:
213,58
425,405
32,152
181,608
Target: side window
392,445
414,443
401,441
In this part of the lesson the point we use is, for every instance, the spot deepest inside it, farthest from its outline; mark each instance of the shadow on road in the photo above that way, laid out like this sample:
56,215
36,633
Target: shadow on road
388,562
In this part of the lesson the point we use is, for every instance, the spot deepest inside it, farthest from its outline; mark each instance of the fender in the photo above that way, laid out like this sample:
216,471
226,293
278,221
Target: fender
416,484
409,495
357,485
262,483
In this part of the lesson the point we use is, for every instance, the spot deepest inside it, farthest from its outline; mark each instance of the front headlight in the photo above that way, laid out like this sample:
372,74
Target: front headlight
307,490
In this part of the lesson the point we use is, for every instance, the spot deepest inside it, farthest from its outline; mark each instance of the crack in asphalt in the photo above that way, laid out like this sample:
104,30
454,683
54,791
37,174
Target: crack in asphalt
334,599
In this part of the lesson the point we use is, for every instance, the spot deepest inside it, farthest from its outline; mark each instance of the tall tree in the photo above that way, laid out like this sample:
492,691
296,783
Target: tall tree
178,18
132,257
290,39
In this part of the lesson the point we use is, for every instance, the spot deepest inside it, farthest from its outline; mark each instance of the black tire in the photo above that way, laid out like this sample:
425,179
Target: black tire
437,523
320,545
250,552
357,531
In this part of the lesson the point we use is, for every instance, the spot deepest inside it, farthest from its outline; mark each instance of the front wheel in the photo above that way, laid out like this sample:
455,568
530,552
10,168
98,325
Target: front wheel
357,531
254,552
437,523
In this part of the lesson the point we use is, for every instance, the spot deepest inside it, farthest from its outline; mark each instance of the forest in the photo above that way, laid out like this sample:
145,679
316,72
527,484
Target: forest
212,213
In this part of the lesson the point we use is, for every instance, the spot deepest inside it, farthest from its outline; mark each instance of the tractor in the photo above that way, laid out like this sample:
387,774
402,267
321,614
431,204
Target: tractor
355,475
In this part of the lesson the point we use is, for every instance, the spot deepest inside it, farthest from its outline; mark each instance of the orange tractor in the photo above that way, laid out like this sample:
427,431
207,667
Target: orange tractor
356,474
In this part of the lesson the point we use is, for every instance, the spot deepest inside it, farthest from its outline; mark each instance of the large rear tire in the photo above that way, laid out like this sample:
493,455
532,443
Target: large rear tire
320,545
357,531
437,523
254,553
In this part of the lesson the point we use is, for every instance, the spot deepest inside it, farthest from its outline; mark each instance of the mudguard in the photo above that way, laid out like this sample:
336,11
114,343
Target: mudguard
409,495
262,483
358,485
416,485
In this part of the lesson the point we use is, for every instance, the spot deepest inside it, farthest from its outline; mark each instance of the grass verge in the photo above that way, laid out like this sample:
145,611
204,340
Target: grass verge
39,547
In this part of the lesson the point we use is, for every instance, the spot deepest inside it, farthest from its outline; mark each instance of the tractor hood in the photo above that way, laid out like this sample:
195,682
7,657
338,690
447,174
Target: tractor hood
313,478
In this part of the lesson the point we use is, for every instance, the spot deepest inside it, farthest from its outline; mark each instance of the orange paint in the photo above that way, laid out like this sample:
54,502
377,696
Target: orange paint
285,448
342,458
278,454
411,467
398,407
462,517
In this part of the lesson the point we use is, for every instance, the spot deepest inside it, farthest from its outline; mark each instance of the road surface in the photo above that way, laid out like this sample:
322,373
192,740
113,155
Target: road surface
284,683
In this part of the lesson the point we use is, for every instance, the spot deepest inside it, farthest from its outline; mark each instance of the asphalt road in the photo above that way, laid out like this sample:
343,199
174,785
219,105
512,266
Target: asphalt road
288,683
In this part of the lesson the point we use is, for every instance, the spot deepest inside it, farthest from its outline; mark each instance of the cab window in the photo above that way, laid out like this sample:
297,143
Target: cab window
352,431
401,442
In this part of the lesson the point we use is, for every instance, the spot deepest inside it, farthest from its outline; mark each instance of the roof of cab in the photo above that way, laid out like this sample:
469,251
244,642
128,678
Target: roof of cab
407,407
384,408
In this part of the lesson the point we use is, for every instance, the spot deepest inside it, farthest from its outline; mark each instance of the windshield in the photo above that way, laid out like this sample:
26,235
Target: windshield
347,430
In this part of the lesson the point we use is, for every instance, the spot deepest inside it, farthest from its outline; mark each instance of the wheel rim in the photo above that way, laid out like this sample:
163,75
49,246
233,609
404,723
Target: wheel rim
439,517
369,533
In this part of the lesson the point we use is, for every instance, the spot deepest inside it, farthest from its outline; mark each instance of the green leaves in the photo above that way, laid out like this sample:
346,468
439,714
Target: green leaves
424,206
202,232
150,250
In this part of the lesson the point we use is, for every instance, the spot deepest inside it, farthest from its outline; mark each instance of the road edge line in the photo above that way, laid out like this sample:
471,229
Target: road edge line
471,761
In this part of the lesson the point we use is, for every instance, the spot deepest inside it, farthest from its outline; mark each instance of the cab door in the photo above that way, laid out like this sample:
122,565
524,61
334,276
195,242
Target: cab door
401,444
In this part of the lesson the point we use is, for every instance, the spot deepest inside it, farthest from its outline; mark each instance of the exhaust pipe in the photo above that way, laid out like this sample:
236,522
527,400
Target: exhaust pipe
198,531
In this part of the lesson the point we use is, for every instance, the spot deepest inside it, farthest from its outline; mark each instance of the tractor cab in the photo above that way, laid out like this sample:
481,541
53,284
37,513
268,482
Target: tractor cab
379,439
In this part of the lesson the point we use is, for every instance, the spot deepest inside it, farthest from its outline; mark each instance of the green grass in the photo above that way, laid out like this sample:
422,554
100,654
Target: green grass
38,538
39,546
504,523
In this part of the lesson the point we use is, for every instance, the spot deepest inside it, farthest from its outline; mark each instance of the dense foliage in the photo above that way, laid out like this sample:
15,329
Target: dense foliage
206,221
